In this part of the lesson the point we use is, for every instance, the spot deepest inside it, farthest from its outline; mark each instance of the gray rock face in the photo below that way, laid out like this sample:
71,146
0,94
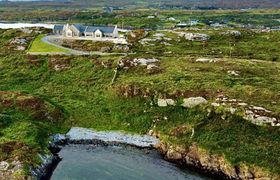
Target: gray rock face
46,162
80,134
198,158
194,101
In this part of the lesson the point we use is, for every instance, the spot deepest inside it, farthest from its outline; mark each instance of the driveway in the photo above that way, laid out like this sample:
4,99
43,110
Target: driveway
52,40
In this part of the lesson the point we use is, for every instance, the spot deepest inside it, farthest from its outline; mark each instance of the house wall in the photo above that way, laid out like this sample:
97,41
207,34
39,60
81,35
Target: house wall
69,33
72,31
89,34
98,34
58,32
116,32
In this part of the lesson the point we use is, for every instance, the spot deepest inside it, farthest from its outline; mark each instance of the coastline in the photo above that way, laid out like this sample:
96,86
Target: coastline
194,158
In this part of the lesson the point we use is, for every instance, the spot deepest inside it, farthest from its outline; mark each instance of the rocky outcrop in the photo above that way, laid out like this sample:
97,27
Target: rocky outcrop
187,102
255,114
166,102
129,63
11,170
194,101
48,163
59,63
207,60
212,164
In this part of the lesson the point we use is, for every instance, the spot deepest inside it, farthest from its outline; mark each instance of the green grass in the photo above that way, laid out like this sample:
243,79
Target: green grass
88,99
39,46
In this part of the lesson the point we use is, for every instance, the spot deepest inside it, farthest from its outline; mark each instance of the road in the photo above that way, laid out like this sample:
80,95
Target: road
51,40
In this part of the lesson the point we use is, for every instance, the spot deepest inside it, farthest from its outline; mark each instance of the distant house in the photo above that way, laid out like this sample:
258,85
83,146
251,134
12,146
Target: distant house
171,19
151,17
78,30
193,22
218,25
181,25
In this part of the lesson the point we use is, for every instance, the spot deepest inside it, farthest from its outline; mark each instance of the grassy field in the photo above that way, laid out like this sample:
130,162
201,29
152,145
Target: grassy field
249,45
39,46
37,100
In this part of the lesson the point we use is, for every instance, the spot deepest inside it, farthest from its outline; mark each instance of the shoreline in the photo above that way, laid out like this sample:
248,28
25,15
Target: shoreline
193,158
84,136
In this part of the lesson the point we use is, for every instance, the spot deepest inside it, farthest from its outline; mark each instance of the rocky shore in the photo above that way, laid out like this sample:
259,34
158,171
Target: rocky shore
78,135
214,165
192,157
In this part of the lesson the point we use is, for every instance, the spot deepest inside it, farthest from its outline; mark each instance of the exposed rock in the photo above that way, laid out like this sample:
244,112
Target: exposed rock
59,64
233,73
162,103
26,30
173,155
105,49
256,115
4,166
46,162
18,41
149,62
207,60
130,90
19,48
123,48
242,104
166,102
11,171
232,32
213,164
215,104
194,36
144,61
194,101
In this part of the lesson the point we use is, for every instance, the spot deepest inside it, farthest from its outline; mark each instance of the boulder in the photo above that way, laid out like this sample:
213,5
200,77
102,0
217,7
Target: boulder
193,101
233,73
4,166
145,61
20,48
165,102
173,155
206,60
162,103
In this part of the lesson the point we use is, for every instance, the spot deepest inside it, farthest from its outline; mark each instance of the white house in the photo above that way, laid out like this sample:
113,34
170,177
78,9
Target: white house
78,30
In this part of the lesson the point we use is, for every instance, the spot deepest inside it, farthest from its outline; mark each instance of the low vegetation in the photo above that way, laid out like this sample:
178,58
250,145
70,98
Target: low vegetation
43,95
